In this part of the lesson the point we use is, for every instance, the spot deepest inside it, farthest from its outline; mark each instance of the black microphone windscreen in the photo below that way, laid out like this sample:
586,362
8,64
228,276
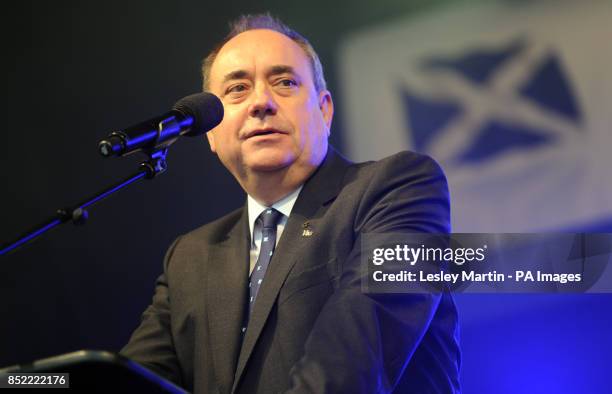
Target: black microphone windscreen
206,109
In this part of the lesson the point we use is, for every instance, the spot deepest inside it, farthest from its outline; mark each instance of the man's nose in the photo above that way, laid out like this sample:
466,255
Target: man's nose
263,103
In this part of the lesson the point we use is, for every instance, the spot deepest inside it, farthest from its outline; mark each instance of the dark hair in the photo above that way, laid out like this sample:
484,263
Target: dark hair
266,21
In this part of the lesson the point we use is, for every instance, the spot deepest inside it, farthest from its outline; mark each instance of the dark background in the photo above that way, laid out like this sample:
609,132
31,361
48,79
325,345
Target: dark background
73,71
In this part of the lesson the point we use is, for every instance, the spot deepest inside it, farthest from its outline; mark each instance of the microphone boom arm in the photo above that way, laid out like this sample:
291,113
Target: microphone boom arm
78,214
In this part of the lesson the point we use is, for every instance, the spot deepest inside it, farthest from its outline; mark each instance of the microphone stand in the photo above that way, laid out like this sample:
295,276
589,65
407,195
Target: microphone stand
156,164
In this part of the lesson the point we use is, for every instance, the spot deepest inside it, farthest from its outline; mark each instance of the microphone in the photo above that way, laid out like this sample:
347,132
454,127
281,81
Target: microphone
191,116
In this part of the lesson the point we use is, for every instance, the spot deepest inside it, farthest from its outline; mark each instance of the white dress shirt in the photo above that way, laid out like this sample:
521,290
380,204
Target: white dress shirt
284,206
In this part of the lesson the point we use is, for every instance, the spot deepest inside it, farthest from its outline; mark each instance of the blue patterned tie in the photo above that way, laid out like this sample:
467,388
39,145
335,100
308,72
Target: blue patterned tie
269,219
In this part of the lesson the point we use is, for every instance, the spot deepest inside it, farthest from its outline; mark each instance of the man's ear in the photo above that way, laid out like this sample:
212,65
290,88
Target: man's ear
211,140
327,108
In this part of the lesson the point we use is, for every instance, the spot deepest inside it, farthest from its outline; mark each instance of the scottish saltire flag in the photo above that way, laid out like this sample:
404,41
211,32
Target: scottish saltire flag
514,100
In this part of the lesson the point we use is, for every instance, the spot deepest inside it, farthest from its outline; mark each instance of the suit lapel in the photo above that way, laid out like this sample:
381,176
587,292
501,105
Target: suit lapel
226,298
323,186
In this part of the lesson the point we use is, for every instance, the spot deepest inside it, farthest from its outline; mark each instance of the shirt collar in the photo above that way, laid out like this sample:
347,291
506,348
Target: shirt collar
284,206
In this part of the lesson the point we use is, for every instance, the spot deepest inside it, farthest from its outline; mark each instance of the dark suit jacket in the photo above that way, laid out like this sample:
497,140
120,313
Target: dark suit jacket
312,330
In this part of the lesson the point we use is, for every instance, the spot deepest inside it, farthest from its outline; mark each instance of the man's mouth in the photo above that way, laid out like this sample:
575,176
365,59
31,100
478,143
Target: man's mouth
262,132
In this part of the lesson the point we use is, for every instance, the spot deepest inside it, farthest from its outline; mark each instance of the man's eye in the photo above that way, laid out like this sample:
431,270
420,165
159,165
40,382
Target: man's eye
287,83
236,88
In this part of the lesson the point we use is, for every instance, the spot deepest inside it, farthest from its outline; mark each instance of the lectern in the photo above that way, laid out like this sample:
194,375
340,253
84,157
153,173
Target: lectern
95,371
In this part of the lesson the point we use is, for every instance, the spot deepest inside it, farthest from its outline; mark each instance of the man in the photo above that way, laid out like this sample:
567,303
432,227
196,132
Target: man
268,298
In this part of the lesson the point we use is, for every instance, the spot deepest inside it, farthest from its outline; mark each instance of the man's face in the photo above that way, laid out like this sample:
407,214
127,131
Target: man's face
274,118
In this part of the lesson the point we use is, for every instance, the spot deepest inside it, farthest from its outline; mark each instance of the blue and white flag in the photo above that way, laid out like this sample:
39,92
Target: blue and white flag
513,100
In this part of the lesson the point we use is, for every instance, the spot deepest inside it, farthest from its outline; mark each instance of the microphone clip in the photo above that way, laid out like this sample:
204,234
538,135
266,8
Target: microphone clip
156,163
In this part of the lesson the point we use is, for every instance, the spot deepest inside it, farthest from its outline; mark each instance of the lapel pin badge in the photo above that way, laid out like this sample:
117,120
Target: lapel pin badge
307,231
